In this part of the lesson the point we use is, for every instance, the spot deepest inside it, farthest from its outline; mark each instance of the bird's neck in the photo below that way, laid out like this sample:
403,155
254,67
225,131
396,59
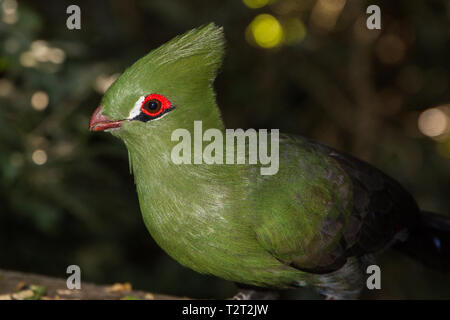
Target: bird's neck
174,194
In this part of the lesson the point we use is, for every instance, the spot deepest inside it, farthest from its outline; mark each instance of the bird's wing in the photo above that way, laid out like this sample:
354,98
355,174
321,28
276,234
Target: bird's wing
380,203
324,206
301,213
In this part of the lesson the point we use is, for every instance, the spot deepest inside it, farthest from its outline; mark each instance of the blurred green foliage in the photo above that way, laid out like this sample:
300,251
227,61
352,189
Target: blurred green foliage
66,195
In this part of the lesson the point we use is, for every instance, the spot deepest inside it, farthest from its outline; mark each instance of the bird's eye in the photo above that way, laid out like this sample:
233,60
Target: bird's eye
152,107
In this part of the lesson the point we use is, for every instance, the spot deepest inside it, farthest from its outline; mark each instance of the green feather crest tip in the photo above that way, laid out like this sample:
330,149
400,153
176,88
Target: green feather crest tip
208,40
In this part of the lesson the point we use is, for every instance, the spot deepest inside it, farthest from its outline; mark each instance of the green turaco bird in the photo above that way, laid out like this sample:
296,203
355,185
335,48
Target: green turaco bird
316,222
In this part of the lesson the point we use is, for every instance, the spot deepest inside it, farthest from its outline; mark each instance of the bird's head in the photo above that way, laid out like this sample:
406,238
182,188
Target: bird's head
167,89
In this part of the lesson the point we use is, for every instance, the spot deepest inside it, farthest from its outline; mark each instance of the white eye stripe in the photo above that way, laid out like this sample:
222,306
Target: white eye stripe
160,117
136,109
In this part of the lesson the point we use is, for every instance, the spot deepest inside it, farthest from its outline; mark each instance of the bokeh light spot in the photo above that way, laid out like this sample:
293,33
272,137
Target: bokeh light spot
266,31
256,4
433,122
294,31
39,100
391,49
326,13
57,55
9,8
6,87
39,157
40,50
27,59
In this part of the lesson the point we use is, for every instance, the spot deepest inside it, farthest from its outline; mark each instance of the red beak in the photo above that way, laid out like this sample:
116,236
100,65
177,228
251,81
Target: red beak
100,122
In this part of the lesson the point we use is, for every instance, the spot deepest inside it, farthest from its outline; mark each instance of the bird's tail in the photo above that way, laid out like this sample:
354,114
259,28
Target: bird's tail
429,241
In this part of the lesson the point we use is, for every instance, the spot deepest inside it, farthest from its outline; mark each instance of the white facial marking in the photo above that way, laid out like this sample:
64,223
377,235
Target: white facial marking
136,109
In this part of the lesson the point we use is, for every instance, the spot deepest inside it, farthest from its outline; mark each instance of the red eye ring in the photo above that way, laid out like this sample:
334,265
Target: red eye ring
165,104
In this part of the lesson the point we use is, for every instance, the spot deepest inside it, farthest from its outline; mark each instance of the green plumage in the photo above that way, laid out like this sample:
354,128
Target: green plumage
311,223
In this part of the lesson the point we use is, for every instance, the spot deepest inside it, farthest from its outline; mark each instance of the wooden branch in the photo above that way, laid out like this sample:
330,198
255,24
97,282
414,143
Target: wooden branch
21,286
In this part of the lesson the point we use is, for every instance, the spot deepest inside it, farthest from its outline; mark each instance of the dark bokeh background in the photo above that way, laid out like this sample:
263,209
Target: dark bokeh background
66,195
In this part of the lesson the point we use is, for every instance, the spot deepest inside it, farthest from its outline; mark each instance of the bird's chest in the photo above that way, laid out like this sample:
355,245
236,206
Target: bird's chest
199,235
202,223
